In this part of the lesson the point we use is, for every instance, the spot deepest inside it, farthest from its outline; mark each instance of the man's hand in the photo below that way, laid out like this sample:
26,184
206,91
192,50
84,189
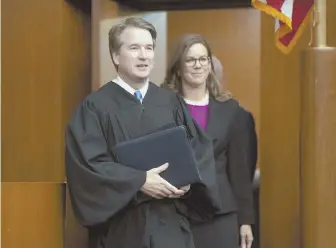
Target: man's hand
246,236
155,186
184,188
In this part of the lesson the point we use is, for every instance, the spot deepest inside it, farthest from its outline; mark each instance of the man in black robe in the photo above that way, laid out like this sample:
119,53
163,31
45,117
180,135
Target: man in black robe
123,207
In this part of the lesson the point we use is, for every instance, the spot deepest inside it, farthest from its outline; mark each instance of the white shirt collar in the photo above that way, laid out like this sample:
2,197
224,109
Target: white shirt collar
129,89
203,102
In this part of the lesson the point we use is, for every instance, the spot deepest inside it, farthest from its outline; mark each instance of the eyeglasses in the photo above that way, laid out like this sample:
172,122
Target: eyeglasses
191,62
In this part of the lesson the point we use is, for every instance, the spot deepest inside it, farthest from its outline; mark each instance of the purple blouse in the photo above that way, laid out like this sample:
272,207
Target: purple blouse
199,114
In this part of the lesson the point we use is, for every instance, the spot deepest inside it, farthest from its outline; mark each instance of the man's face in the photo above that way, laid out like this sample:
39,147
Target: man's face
135,58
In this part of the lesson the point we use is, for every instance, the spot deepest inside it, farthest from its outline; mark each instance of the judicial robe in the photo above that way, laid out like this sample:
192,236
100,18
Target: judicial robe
105,194
227,127
252,140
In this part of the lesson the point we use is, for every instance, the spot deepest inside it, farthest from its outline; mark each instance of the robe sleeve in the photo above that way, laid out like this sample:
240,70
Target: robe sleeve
238,168
202,200
99,187
252,145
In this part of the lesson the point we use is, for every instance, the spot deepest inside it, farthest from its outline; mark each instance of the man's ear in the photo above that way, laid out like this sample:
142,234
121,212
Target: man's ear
115,58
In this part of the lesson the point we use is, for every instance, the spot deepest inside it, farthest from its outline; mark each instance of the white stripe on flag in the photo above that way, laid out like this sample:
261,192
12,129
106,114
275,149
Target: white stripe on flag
287,10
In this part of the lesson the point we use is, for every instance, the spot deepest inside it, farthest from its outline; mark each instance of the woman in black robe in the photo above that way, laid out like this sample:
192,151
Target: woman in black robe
190,73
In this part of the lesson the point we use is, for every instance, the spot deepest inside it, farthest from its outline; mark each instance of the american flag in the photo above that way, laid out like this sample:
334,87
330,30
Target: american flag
291,16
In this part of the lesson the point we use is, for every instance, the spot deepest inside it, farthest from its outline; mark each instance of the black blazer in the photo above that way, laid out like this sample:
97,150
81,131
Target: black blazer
227,127
252,141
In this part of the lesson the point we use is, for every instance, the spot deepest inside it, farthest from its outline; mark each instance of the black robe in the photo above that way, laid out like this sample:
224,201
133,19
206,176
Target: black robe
252,140
227,127
105,194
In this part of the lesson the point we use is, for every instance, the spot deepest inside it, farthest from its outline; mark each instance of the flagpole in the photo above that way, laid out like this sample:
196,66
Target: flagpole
317,132
321,23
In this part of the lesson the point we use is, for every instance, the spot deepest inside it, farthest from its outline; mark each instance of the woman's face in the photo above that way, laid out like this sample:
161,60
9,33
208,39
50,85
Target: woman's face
196,66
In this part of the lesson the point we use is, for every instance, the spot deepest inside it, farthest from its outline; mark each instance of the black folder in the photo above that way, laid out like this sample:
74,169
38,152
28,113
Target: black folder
166,146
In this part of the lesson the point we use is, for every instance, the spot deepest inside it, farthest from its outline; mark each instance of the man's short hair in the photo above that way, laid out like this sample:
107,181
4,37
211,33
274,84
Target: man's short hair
118,29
